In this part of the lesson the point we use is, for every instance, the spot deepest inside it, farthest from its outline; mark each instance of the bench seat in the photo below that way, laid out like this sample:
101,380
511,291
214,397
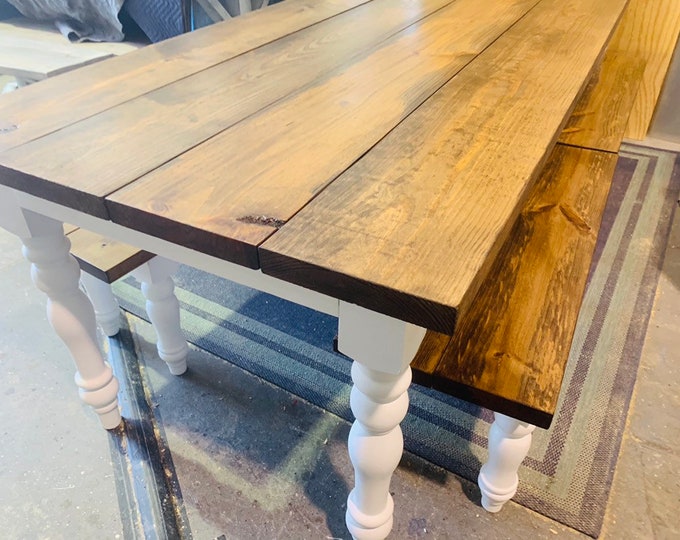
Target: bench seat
106,259
103,261
509,351
32,51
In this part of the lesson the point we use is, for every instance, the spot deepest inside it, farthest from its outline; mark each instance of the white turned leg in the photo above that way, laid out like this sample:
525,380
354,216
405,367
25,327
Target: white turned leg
379,402
56,272
382,348
509,443
106,309
162,307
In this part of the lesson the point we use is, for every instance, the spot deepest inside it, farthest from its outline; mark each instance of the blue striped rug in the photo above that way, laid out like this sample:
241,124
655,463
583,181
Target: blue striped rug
568,472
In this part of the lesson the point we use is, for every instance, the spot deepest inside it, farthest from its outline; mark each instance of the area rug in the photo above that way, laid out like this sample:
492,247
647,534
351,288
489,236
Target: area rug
568,473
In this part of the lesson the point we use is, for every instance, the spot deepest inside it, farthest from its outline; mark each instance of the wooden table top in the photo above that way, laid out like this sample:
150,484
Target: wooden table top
373,150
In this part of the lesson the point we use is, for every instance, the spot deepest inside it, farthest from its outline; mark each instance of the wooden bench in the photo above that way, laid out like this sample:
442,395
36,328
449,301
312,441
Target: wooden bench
510,349
104,261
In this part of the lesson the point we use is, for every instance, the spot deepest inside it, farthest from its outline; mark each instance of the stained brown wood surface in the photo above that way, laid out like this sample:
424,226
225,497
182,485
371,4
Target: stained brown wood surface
181,115
104,258
35,51
649,30
216,199
76,95
412,228
510,350
601,115
392,178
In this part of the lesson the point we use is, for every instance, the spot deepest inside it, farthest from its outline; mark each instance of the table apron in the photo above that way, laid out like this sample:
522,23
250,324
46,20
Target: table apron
213,265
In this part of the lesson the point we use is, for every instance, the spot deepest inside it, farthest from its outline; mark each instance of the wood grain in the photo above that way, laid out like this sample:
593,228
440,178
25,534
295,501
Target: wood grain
181,115
601,115
510,350
412,228
104,258
224,202
80,94
649,30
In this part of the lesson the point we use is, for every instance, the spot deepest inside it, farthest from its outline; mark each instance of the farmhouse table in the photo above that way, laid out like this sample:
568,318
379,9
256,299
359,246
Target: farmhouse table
365,158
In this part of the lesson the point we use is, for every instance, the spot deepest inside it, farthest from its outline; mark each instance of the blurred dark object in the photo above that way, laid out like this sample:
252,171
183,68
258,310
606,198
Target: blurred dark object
78,20
158,19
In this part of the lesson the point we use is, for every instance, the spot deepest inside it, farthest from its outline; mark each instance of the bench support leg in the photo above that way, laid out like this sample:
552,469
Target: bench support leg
382,348
105,305
162,307
56,272
509,443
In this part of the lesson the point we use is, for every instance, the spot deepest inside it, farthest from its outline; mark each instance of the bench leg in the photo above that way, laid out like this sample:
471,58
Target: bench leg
56,272
509,443
106,309
162,307
382,349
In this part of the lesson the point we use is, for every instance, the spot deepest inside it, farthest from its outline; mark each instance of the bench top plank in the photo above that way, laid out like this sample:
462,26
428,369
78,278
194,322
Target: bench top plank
509,330
412,228
649,30
293,149
36,51
26,115
601,115
181,115
104,258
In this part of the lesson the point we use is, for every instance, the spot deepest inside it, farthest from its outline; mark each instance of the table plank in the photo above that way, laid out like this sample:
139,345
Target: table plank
181,115
215,200
27,115
412,229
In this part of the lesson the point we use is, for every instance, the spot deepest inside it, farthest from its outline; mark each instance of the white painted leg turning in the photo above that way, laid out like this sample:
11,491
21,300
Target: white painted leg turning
382,349
162,307
509,443
56,272
379,402
106,308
